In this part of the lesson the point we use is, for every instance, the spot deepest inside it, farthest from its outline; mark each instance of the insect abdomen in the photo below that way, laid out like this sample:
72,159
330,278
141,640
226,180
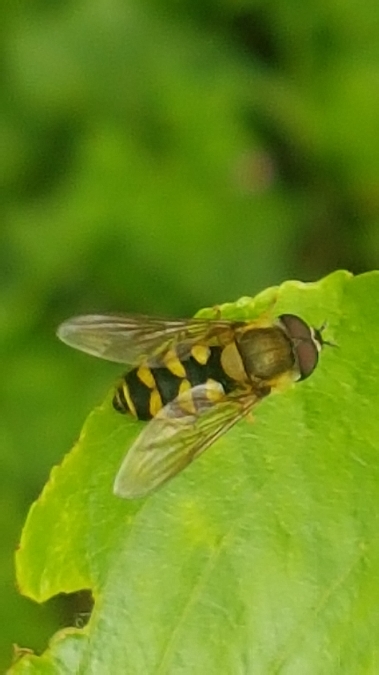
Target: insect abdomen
144,391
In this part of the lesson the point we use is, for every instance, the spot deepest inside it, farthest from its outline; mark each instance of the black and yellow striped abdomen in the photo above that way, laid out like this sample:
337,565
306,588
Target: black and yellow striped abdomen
144,391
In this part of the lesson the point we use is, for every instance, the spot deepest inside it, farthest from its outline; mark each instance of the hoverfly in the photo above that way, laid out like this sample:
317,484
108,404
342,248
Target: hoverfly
192,379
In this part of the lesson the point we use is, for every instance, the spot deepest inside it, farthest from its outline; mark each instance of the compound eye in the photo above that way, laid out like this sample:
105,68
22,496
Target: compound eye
303,343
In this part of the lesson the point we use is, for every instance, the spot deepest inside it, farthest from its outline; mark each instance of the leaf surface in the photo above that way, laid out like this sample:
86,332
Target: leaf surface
262,556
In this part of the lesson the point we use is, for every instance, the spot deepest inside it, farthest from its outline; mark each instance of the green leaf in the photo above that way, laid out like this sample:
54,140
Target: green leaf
262,556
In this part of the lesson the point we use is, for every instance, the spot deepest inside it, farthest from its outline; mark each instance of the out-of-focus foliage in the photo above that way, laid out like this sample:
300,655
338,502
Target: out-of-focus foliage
160,157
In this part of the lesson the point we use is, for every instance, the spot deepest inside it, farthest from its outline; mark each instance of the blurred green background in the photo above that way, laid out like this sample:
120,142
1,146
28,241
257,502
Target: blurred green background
160,157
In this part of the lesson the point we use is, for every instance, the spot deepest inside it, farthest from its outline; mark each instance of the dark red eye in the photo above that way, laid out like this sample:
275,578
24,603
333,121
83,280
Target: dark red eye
303,343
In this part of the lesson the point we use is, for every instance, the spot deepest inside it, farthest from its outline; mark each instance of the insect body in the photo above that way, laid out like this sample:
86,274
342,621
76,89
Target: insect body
193,379
144,391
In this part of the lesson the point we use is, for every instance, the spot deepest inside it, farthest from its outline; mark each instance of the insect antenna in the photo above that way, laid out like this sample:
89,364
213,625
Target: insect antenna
318,335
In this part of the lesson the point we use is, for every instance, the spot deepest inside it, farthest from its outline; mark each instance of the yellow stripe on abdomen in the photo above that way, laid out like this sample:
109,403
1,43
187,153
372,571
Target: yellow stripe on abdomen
173,364
187,404
128,399
201,353
155,404
214,390
146,376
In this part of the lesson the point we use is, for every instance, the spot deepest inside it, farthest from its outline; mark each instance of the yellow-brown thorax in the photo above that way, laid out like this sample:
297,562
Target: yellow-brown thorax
258,353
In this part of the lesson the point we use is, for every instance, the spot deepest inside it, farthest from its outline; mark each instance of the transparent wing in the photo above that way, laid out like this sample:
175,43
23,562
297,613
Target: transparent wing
174,438
135,338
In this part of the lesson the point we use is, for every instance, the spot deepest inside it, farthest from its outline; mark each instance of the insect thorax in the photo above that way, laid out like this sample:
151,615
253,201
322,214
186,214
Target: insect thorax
266,352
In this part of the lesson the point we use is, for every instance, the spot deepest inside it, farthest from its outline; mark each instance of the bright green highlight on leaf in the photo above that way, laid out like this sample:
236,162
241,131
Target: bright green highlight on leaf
261,557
